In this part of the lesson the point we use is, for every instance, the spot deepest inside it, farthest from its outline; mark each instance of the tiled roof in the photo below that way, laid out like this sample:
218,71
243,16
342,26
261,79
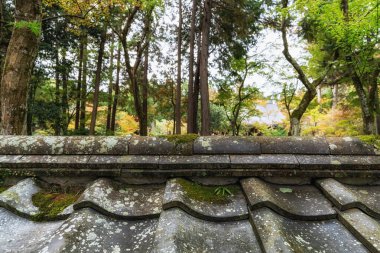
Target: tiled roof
204,194
176,157
260,216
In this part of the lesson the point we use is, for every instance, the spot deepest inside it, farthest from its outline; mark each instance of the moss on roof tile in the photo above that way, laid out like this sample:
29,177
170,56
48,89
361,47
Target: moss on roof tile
51,204
206,193
180,138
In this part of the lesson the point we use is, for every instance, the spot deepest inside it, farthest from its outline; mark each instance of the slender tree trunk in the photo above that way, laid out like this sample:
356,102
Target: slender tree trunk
179,70
116,90
79,84
311,87
83,96
296,115
21,54
172,88
367,111
110,86
196,88
57,124
335,90
98,80
65,105
191,96
377,110
145,86
377,114
375,98
319,95
204,89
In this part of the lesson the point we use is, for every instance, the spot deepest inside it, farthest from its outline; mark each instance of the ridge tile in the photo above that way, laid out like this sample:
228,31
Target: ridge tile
294,145
206,145
142,145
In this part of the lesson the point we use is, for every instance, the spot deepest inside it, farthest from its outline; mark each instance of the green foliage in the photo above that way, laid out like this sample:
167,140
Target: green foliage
235,95
341,39
371,139
219,121
274,130
33,26
223,191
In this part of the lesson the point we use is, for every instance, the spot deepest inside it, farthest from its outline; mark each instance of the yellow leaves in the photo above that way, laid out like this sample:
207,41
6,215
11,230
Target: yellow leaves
126,123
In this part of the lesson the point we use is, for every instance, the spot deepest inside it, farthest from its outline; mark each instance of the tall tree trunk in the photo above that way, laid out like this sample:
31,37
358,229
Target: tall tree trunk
205,103
367,111
29,117
133,69
311,87
83,95
196,85
319,95
377,112
110,86
172,88
21,54
79,84
296,115
65,105
2,35
145,84
116,90
191,96
57,123
375,98
98,80
179,70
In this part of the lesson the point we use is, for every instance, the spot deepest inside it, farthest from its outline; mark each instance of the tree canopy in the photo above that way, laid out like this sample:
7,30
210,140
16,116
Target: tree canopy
150,67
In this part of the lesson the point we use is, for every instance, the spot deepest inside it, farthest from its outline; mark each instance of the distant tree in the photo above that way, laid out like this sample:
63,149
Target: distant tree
310,86
178,101
236,96
97,81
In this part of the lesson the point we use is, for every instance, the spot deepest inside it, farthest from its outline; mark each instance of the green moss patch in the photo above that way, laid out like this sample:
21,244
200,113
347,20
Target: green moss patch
3,188
180,138
207,193
371,139
52,204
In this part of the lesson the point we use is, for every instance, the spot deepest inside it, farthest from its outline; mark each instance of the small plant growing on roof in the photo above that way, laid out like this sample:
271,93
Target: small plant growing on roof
223,191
